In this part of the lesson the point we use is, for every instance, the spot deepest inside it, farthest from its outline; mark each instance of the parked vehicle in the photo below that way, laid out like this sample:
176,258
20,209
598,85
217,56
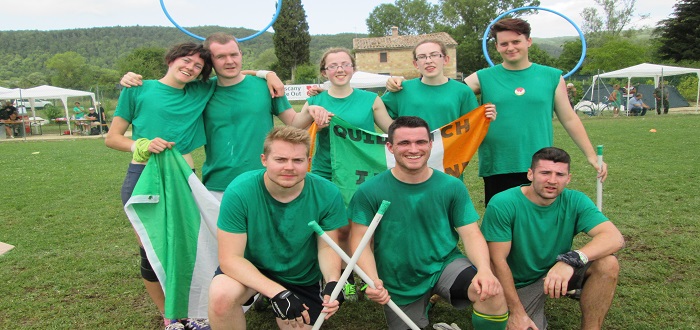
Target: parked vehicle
37,121
38,103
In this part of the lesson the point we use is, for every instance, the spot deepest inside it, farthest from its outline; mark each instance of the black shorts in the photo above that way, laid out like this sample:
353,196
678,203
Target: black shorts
311,296
500,182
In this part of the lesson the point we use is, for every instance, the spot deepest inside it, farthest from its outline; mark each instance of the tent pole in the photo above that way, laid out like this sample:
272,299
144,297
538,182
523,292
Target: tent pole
24,129
697,96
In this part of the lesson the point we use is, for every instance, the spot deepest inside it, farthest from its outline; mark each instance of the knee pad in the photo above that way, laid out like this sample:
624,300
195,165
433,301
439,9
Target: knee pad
146,270
460,288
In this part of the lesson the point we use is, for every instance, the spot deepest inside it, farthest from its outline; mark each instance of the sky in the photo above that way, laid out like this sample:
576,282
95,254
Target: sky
323,16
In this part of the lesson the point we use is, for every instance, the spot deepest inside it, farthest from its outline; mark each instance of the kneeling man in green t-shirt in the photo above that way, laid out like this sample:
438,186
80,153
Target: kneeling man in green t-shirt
265,245
414,252
530,230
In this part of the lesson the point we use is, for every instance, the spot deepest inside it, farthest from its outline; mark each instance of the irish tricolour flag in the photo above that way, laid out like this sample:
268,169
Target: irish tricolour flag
175,217
357,155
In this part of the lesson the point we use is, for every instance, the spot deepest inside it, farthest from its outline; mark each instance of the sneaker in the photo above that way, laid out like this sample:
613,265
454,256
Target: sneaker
175,325
574,294
197,324
350,292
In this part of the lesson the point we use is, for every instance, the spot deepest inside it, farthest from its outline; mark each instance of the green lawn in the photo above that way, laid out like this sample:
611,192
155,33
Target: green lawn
75,265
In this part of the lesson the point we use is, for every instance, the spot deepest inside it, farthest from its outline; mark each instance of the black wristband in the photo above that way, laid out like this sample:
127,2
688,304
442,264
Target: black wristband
328,290
330,286
571,258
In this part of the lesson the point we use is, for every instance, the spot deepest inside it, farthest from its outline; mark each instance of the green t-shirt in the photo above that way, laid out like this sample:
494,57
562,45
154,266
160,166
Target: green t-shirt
538,234
79,112
236,120
158,110
438,105
524,100
416,238
280,244
618,98
355,109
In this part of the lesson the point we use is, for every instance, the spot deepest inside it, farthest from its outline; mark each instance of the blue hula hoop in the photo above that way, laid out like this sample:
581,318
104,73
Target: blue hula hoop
274,18
580,34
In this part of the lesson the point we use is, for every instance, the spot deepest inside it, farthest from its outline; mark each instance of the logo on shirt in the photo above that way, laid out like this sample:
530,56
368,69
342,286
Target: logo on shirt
519,91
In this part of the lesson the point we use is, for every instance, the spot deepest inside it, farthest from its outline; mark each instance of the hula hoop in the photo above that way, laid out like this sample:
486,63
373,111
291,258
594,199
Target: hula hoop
580,34
274,18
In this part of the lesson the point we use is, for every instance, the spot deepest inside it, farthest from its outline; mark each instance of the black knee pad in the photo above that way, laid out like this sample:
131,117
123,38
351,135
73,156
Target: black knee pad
146,270
460,287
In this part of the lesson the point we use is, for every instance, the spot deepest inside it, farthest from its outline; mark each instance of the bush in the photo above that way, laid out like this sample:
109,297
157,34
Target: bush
52,112
688,88
306,74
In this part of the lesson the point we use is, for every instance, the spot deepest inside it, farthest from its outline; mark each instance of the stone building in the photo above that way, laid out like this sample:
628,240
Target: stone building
393,54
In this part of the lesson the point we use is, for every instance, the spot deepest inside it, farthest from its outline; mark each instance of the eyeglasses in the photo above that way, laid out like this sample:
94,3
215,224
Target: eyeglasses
433,57
334,67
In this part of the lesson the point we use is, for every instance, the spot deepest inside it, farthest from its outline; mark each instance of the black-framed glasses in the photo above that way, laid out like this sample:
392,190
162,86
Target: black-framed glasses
434,57
334,67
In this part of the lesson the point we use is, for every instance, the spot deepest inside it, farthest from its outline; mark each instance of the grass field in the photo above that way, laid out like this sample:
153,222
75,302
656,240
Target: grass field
75,265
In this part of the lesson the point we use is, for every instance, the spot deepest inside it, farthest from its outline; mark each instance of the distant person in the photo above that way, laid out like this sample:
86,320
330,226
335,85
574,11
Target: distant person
164,114
414,252
525,94
17,127
571,93
661,96
636,106
265,245
101,113
5,115
95,121
530,231
78,111
615,99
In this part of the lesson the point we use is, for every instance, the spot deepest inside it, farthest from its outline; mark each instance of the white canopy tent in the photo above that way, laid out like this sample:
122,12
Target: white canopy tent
46,92
361,79
651,70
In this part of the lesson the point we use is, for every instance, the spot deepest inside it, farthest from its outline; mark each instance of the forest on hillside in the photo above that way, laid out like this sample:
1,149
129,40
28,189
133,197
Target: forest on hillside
24,54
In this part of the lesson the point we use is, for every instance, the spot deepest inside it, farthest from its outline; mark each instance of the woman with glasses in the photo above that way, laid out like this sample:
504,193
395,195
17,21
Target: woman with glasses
433,97
355,106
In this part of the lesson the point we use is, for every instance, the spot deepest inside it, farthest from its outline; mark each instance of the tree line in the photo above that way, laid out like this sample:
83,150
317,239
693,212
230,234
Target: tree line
87,58
95,58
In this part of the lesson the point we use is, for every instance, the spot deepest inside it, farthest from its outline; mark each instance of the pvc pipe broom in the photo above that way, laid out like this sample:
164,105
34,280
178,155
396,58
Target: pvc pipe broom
352,265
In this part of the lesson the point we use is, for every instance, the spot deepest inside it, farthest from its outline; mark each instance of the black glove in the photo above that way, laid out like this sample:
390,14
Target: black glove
572,259
287,305
328,290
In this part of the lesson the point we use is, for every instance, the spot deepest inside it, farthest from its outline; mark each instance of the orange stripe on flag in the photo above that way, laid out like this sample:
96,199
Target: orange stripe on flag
462,137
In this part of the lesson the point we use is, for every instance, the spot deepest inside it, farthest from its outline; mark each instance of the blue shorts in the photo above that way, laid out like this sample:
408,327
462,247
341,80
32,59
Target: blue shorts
133,173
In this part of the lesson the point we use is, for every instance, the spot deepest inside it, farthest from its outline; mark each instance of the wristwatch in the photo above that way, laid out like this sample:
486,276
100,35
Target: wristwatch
582,256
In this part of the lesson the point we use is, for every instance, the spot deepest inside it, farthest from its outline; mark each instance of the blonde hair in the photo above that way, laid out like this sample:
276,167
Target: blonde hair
220,38
289,134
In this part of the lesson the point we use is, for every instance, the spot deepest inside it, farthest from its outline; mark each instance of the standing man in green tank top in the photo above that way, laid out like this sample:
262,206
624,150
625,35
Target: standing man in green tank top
525,94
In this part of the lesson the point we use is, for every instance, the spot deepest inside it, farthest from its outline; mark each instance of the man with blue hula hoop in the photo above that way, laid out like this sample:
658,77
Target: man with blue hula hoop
525,95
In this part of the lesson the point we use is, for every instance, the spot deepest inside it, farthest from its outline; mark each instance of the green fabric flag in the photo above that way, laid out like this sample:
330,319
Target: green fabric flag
175,217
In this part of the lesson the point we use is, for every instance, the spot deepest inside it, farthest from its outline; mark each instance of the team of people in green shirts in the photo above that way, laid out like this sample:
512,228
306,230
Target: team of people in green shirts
523,256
